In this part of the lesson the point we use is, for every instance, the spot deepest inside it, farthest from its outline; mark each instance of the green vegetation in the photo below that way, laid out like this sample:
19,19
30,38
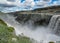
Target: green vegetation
51,42
24,39
7,35
2,23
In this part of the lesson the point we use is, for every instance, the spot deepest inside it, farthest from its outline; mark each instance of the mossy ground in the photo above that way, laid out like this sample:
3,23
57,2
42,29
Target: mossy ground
7,35
51,42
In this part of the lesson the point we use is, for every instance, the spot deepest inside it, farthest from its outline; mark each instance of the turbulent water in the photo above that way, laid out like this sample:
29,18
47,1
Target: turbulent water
39,33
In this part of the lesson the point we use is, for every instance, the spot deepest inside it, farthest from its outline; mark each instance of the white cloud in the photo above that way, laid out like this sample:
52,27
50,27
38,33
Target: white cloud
27,4
6,2
56,2
43,2
47,1
30,3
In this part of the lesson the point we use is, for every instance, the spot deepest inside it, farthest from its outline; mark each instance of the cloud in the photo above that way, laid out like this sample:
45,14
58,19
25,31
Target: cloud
17,5
9,3
33,3
6,5
43,2
28,3
56,2
11,0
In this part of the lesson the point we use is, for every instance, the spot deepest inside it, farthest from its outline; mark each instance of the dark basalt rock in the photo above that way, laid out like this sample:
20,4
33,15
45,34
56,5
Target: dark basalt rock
35,19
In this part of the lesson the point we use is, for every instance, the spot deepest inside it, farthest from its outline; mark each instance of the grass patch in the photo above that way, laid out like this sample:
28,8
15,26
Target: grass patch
7,35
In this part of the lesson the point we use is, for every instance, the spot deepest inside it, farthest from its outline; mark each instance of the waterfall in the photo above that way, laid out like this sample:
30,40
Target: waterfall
54,24
53,21
57,28
40,33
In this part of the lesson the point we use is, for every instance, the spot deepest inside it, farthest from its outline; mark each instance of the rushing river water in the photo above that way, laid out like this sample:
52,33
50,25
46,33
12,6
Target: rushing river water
39,33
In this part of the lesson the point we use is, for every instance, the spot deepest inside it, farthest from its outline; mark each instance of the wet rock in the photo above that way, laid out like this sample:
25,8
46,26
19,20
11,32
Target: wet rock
36,19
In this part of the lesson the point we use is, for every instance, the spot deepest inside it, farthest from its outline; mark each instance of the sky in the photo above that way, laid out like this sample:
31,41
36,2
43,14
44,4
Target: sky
19,5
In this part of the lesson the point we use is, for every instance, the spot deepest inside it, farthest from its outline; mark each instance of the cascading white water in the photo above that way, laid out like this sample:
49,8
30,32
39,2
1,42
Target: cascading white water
40,33
53,21
57,27
54,24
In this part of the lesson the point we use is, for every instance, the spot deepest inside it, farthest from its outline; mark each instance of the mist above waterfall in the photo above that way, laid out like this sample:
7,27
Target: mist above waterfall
39,33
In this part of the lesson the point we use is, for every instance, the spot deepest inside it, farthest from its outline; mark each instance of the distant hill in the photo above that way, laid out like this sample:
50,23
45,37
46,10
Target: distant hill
50,9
